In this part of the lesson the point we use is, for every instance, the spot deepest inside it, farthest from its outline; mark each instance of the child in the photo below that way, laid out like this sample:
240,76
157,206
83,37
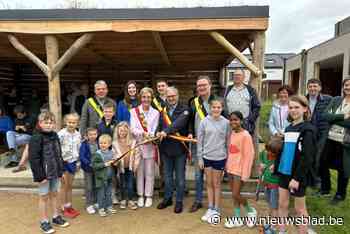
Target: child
47,167
122,142
213,134
107,123
295,164
21,135
266,167
70,144
87,149
238,167
101,164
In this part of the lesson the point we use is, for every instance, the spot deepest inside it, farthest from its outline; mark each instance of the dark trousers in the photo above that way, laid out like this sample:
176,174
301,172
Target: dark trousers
127,184
332,157
175,164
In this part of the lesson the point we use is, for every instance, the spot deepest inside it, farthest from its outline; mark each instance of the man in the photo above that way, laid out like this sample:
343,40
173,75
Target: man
79,100
159,101
174,119
318,103
92,111
199,108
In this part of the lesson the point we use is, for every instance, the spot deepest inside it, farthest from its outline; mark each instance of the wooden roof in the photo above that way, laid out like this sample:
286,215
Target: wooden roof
138,39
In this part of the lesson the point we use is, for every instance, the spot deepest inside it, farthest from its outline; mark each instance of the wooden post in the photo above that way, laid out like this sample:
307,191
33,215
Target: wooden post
256,81
52,53
233,50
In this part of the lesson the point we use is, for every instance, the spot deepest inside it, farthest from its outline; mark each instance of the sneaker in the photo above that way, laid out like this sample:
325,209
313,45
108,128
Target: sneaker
123,204
207,215
46,228
115,200
111,210
59,221
102,212
251,218
132,205
96,206
336,199
140,202
148,202
67,212
233,222
214,218
74,211
11,164
90,210
322,193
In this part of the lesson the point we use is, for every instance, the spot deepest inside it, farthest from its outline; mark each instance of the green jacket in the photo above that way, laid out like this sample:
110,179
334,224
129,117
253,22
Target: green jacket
267,177
100,170
338,119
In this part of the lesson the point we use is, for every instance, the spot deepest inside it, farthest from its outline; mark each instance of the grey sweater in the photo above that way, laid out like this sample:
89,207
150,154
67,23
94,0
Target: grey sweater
212,138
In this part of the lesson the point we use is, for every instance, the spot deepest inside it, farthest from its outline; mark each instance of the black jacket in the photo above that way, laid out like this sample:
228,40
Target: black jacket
45,156
179,119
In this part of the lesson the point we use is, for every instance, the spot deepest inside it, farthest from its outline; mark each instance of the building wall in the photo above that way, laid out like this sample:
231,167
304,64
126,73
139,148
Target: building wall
292,63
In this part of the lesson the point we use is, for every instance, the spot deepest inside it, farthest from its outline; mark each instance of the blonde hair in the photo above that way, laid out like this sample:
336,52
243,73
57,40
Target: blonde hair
105,137
46,115
71,115
129,137
147,90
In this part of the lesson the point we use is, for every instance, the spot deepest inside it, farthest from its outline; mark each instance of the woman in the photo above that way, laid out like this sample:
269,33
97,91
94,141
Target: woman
336,153
143,124
130,101
279,112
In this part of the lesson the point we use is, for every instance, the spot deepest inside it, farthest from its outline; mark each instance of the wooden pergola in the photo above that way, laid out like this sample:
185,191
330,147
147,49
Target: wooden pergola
177,40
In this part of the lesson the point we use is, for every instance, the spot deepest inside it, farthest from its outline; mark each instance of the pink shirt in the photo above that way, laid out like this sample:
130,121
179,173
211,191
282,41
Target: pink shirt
240,155
152,119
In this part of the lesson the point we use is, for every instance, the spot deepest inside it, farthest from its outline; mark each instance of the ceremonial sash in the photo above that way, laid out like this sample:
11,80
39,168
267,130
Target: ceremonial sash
157,105
142,121
96,107
167,122
199,109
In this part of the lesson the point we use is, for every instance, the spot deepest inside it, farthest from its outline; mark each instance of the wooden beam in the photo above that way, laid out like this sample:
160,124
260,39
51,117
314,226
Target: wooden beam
161,48
83,26
73,50
23,50
233,50
258,60
52,52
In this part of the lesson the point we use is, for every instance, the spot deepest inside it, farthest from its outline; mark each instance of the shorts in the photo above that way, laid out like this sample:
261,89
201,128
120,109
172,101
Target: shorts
71,168
50,186
271,196
284,183
215,164
233,176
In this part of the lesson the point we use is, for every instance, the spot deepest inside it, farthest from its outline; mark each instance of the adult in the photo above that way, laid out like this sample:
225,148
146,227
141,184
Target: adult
159,101
143,125
243,98
92,111
79,100
278,119
336,152
11,100
174,119
199,108
130,101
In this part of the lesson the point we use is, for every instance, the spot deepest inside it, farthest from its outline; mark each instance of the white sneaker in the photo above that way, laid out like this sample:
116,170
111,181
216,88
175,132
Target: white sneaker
112,210
148,202
102,212
214,218
115,200
123,204
140,202
251,218
90,210
233,222
207,215
132,205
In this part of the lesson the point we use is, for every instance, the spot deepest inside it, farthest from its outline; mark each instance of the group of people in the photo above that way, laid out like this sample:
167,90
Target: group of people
121,144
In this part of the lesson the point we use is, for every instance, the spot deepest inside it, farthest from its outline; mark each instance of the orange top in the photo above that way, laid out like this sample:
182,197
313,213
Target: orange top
240,155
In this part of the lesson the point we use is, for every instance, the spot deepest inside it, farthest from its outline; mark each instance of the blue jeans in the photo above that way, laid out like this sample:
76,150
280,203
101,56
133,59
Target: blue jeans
127,184
104,195
15,139
90,188
198,175
177,164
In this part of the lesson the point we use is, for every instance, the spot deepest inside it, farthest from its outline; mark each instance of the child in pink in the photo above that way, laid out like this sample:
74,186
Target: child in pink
238,167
